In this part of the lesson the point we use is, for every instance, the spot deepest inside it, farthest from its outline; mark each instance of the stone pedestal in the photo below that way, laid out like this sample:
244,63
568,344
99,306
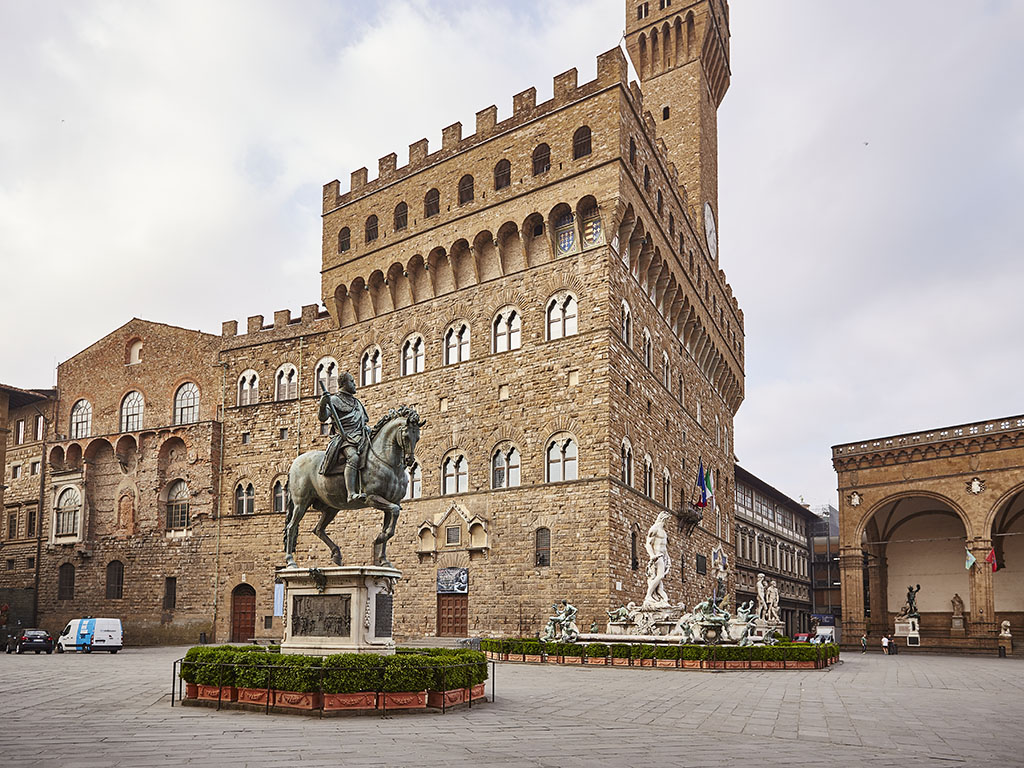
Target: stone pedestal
909,628
957,628
1006,643
340,609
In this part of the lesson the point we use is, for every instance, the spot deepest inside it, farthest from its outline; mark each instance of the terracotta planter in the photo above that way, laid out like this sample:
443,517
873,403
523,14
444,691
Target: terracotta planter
691,663
616,662
734,664
478,691
210,693
191,691
532,658
666,662
347,701
646,662
253,695
599,660
515,657
406,700
296,700
714,665
757,665
441,699
572,660
772,664
554,659
800,665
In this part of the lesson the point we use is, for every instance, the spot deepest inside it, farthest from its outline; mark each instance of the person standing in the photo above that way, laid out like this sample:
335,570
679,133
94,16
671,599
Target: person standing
864,643
885,644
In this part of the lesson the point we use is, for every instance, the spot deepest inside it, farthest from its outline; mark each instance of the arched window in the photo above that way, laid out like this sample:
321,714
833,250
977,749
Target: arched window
414,475
412,355
344,239
671,225
581,143
542,547
541,159
81,419
562,459
326,373
666,489
648,477
115,580
647,349
370,367
371,228
454,475
177,505
245,499
507,330
561,316
66,582
647,178
660,203
626,325
632,151
68,505
465,189
502,174
280,498
401,216
634,559
248,388
431,203
131,412
666,371
134,355
286,383
186,404
456,344
505,467
626,455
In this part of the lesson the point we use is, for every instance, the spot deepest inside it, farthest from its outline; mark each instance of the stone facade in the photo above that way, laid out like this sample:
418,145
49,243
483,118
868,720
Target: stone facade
565,311
772,537
911,509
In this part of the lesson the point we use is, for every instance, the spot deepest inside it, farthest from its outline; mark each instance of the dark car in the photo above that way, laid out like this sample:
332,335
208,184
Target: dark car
30,640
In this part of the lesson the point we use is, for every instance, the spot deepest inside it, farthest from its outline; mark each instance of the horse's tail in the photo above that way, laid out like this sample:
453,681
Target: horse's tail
289,509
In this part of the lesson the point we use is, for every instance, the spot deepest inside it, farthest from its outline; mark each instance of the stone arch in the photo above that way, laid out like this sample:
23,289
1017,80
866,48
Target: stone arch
344,309
588,219
126,451
462,264
486,257
562,229
442,278
398,281
173,454
869,513
537,247
510,248
419,281
359,292
380,296
57,458
73,460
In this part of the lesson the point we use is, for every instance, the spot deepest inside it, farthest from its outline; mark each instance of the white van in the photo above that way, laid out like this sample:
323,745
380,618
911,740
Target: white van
88,635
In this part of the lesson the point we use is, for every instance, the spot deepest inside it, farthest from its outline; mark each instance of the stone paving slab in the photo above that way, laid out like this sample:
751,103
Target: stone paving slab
77,711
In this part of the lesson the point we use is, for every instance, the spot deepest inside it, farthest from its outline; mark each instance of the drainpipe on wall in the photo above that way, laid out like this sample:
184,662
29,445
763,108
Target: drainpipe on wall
39,518
216,500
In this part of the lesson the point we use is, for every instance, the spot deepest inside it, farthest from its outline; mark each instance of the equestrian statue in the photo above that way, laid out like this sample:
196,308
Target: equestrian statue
362,467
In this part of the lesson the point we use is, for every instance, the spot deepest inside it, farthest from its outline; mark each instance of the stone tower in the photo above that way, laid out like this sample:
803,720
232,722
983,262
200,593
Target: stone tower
680,51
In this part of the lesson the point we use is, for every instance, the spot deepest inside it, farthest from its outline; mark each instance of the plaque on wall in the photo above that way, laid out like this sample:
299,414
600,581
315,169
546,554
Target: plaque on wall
322,616
382,614
452,581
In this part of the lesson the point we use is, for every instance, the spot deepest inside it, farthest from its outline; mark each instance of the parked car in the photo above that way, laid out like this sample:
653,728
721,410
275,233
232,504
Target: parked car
801,637
37,640
88,635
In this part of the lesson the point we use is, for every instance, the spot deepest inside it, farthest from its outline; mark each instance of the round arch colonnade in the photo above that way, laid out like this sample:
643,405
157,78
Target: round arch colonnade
911,508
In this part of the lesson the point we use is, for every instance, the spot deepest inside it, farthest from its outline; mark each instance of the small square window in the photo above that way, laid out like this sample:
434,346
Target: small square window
664,113
648,406
245,438
629,388
34,468
503,392
452,534
284,433
443,404
15,471
268,622
702,565
30,562
10,563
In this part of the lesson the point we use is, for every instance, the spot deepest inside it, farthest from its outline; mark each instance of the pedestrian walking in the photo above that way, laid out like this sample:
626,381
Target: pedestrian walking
885,645
893,648
864,643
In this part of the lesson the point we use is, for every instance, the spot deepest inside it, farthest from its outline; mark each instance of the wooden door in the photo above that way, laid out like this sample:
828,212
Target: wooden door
452,615
243,613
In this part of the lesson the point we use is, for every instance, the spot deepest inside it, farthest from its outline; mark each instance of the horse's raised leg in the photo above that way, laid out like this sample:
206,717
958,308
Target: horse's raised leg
387,529
326,517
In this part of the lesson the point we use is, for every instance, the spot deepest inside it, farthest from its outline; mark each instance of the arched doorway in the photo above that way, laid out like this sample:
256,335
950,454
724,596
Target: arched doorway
915,540
243,613
1008,578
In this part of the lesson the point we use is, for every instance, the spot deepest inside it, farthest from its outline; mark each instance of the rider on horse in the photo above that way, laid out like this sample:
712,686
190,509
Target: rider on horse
350,432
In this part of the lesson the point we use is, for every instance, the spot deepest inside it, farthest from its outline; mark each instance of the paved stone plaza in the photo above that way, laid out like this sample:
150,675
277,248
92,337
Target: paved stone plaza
103,710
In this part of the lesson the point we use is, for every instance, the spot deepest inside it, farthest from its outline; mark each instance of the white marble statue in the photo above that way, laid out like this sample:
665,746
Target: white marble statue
1004,629
658,564
772,597
762,597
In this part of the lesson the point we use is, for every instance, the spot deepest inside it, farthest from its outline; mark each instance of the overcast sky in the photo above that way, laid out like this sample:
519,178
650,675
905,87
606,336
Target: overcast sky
165,160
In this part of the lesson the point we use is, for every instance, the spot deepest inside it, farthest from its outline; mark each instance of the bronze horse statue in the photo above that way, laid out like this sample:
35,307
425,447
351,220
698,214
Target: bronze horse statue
391,452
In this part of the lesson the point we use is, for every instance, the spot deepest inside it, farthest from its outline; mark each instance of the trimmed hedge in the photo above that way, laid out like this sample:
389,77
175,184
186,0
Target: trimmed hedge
781,651
435,669
597,651
620,651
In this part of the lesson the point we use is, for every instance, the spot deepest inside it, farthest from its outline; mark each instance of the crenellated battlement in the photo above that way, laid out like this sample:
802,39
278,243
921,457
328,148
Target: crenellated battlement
312,318
611,71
